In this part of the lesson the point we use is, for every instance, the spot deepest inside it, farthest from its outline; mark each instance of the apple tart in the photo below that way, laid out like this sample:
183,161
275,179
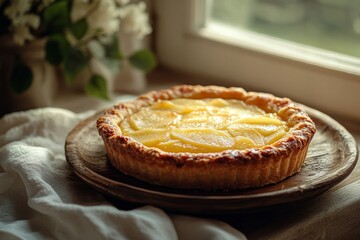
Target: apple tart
207,137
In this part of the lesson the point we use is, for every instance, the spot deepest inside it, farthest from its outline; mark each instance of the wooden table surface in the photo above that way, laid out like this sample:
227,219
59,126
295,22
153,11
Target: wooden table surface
334,214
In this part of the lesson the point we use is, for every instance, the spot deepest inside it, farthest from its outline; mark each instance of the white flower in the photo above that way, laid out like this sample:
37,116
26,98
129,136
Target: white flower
21,28
135,19
30,20
21,21
21,34
102,16
17,8
105,18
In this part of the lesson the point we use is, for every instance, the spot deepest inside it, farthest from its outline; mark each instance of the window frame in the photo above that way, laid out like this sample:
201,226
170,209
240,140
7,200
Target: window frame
318,78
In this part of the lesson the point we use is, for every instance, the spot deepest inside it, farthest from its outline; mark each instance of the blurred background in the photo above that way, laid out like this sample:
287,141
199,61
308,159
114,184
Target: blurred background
328,24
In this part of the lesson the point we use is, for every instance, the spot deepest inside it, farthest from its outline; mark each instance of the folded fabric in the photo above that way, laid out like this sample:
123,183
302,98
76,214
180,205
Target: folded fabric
41,198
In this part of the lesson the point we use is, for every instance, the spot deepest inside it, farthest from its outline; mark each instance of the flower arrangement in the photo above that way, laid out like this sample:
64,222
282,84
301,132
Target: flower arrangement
75,32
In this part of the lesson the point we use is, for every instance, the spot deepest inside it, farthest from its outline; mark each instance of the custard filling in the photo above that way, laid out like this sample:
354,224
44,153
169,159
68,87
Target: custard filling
203,125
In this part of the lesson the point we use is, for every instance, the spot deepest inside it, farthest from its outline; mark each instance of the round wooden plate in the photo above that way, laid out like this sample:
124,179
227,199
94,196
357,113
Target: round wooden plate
332,156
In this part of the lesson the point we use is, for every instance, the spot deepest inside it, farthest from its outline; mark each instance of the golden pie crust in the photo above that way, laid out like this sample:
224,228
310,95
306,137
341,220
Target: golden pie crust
226,170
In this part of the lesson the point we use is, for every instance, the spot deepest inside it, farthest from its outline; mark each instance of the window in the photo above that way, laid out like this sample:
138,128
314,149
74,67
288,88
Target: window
326,24
201,37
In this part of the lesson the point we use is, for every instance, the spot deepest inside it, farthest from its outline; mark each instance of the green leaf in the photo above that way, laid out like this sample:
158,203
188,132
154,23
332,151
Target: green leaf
56,49
21,77
144,60
56,16
112,49
74,63
79,28
97,87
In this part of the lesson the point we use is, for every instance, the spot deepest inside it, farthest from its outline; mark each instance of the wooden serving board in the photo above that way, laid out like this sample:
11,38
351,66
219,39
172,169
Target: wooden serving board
331,158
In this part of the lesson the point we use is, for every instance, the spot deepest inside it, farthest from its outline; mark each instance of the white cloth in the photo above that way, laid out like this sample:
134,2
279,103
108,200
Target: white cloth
40,197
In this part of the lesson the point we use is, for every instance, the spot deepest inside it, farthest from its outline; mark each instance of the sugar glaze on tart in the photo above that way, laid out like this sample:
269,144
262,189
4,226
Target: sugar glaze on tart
203,125
207,137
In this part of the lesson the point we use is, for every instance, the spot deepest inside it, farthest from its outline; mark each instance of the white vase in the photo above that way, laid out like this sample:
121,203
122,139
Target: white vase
44,82
97,67
130,79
